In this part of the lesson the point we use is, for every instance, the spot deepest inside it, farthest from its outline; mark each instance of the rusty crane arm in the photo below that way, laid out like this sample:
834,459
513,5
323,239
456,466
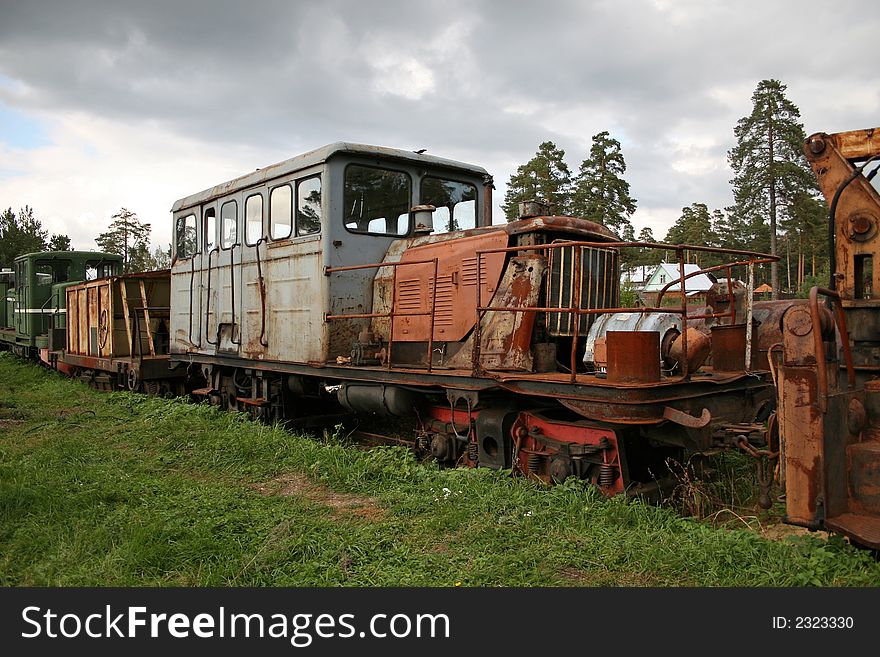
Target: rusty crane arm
830,423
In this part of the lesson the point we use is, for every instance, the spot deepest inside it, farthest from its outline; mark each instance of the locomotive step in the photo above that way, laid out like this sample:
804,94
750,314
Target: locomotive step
259,401
864,528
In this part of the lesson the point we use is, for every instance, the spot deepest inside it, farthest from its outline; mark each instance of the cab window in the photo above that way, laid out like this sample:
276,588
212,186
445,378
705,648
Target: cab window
456,203
253,219
103,269
376,201
229,224
55,271
185,234
308,206
210,229
280,212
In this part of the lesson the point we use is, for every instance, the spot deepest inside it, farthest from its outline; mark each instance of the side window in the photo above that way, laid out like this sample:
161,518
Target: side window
280,212
376,201
229,224
56,271
185,236
456,203
308,206
253,219
43,273
210,228
61,271
103,269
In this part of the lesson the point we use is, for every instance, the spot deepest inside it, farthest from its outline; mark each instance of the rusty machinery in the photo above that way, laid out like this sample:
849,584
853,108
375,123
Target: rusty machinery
386,289
828,384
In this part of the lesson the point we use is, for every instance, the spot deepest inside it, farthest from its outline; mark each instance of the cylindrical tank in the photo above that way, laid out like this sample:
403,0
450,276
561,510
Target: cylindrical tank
377,398
667,325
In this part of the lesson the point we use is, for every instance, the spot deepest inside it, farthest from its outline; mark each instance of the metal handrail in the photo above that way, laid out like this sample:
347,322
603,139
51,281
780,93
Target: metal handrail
751,259
754,258
392,314
821,366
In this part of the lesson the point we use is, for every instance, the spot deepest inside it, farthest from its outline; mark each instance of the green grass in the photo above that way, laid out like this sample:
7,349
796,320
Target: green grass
127,490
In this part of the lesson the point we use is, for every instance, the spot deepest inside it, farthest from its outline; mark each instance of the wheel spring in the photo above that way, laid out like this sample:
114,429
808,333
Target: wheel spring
534,462
606,475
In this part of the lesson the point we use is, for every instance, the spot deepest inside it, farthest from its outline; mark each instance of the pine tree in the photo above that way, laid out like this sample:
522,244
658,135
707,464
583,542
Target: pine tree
647,256
59,243
806,238
629,255
770,170
20,234
160,258
647,235
128,237
600,192
694,226
546,178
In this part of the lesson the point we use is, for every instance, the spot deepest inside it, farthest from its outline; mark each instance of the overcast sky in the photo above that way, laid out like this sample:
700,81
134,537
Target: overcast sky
136,104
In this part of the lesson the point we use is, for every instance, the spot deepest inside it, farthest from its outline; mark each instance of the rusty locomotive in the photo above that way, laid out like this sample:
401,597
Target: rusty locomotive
373,280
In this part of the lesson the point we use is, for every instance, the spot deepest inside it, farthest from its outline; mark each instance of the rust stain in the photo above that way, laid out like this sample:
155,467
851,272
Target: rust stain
633,356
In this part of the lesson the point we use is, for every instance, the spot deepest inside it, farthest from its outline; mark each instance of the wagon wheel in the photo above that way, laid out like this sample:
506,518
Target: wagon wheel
103,328
133,379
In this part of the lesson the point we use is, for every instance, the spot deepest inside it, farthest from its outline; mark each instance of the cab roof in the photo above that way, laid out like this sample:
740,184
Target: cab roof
319,156
70,255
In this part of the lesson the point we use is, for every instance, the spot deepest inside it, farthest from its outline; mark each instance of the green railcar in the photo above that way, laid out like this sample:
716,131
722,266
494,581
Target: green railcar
7,292
34,301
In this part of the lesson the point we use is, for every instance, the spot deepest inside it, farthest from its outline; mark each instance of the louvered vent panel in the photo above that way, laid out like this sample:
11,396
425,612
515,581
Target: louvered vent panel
409,296
469,271
444,304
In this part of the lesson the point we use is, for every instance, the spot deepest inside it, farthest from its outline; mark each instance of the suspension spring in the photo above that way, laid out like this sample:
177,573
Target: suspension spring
606,475
534,462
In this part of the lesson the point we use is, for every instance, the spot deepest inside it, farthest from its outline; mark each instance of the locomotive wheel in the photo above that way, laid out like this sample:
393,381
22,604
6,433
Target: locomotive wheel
103,328
229,393
133,381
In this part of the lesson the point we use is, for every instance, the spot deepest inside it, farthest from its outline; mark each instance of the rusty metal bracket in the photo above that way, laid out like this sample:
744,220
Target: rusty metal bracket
821,365
685,419
764,466
470,398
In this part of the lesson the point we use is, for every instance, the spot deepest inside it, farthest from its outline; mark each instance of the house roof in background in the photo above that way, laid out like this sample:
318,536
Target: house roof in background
668,271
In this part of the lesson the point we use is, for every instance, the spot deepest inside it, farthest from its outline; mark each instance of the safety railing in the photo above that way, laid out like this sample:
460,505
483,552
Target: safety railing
392,313
753,258
748,259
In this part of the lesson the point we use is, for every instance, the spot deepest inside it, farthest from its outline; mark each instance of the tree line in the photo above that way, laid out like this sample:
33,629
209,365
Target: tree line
23,233
127,236
777,205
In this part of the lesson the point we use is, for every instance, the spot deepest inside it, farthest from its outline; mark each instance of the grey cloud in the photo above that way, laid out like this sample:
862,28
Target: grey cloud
288,76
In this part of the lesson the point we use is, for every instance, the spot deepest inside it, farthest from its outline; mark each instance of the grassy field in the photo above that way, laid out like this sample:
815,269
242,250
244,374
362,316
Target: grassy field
127,490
